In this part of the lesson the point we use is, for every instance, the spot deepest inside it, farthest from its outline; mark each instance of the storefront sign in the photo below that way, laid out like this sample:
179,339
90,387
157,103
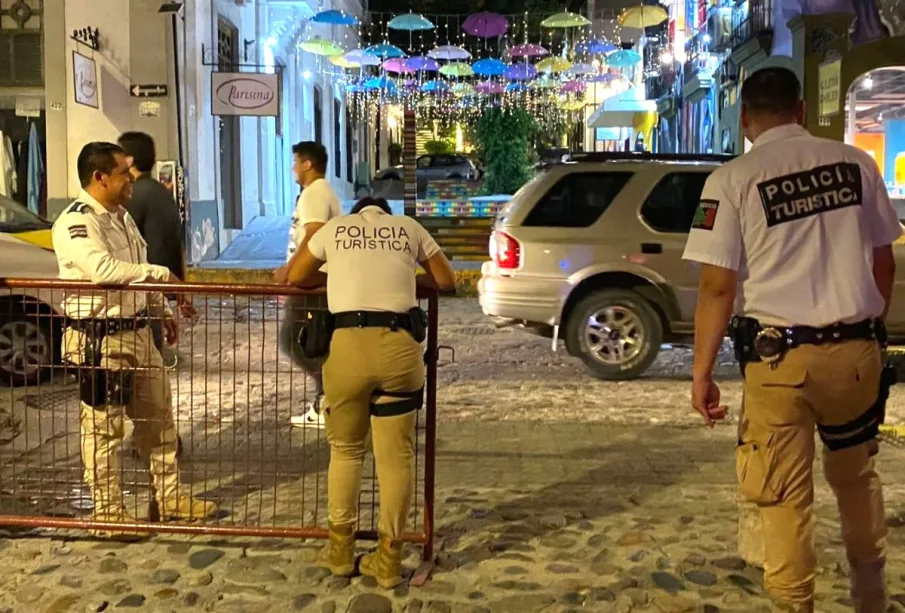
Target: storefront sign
28,106
245,93
829,76
84,75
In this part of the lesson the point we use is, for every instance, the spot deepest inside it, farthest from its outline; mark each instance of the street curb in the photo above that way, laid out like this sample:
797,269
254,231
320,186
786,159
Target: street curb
466,280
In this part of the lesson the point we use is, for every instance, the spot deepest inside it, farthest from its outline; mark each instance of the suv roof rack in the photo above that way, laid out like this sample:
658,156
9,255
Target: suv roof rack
605,156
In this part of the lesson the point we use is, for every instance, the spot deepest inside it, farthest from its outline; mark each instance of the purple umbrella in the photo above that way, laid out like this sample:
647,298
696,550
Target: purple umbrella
489,87
396,65
528,50
421,64
486,25
520,72
572,87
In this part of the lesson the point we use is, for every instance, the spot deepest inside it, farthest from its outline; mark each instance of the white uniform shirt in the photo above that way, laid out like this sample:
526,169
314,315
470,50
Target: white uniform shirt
317,203
373,258
105,248
798,217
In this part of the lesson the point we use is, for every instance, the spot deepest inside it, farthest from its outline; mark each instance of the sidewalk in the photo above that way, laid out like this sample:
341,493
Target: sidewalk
532,517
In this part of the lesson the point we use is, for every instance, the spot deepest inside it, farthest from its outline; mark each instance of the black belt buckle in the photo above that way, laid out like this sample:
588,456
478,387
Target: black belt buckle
770,345
362,319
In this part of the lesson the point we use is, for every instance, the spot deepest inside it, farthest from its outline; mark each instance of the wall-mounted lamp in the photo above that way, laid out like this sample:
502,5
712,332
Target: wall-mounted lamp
245,45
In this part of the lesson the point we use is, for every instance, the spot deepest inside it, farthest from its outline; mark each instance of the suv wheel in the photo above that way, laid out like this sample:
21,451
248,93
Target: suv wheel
27,352
616,332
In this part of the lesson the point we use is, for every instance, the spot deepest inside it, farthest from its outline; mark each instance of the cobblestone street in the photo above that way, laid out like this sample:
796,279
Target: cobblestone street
555,493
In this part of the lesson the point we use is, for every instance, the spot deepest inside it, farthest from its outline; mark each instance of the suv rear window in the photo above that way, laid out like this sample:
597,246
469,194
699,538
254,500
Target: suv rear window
671,205
577,200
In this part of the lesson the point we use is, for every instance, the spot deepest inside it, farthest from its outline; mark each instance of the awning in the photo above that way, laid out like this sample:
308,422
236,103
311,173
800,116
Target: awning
621,110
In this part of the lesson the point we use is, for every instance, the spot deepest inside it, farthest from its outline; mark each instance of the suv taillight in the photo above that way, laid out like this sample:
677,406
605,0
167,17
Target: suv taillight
505,251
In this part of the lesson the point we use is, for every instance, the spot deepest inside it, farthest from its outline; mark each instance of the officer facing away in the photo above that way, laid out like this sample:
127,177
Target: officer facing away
799,230
108,337
374,373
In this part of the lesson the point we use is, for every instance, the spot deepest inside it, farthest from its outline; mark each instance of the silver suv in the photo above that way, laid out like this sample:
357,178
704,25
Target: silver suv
590,251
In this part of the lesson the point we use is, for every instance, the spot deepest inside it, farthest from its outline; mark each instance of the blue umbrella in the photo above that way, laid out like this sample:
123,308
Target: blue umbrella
410,22
595,46
335,18
422,64
489,67
385,51
435,86
520,72
624,58
383,83
516,87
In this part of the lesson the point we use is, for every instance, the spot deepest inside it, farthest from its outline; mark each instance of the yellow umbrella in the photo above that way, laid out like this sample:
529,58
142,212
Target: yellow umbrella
554,64
643,16
343,62
571,105
321,46
565,20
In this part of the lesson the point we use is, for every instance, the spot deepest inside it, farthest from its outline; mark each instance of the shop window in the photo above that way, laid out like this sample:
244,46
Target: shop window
21,43
578,200
318,116
337,138
671,205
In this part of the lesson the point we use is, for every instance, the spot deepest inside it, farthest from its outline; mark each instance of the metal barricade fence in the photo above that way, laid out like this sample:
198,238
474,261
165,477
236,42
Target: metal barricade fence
233,392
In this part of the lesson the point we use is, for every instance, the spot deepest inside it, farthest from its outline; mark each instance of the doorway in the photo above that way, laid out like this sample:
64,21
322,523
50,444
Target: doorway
228,130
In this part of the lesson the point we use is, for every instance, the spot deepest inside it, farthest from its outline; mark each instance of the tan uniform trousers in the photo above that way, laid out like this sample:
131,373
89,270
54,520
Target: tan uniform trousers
150,410
362,361
831,384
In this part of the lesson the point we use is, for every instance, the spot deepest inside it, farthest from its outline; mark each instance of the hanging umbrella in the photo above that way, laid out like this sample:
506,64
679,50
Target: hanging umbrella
355,88
624,58
581,69
385,51
554,65
643,16
449,52
436,86
565,20
457,69
383,83
410,22
572,87
545,82
520,72
422,64
396,65
486,25
571,105
463,89
321,46
360,57
489,67
595,47
528,50
516,87
607,77
335,18
489,87
343,61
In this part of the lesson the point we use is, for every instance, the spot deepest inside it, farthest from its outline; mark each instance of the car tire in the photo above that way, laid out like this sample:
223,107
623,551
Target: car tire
29,348
629,316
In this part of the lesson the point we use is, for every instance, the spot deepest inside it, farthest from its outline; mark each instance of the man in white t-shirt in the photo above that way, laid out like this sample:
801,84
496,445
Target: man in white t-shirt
316,205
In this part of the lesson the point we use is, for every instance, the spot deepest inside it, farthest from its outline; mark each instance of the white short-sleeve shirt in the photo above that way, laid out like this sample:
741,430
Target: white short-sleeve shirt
317,203
798,217
372,257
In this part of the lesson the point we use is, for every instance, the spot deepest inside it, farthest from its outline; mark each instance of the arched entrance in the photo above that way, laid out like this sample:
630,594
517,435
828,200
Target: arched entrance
875,123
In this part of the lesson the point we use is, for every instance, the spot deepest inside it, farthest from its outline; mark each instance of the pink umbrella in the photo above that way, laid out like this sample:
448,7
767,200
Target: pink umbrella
528,50
572,87
486,25
397,65
489,87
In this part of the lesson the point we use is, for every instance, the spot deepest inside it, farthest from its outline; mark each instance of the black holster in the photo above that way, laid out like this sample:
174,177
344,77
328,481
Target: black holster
865,427
419,324
316,334
98,386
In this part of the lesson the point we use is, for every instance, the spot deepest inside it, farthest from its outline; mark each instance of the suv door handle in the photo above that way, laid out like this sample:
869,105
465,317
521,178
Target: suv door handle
651,248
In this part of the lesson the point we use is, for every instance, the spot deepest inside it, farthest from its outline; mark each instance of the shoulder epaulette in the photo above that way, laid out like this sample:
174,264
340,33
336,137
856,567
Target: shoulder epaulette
79,207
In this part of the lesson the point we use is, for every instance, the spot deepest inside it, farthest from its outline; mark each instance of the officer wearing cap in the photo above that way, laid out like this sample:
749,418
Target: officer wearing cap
107,336
374,373
797,234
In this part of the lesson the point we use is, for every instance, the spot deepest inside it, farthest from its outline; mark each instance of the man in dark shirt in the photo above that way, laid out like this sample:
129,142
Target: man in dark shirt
155,213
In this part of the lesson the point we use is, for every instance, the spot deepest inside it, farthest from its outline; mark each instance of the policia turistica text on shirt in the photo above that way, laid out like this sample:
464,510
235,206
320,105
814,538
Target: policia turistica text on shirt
797,233
374,373
108,339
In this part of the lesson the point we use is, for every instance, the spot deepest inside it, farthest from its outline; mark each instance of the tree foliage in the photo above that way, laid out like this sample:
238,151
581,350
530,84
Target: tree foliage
504,138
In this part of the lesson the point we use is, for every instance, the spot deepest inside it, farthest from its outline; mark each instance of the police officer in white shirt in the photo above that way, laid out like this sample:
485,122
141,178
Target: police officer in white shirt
797,235
374,373
316,205
108,337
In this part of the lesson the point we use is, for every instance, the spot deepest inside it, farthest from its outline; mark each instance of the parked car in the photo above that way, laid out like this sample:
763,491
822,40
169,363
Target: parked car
30,320
435,167
590,251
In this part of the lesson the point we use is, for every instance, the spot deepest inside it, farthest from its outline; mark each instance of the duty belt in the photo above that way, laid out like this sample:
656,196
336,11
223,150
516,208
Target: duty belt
754,342
106,326
372,319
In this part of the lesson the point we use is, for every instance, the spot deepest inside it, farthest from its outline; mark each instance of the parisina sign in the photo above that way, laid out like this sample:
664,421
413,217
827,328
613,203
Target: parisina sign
245,93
